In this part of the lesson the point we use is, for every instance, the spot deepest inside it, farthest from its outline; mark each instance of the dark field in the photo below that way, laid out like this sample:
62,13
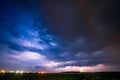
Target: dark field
61,76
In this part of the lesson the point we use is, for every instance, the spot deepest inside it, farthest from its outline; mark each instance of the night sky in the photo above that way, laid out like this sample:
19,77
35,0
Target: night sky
60,35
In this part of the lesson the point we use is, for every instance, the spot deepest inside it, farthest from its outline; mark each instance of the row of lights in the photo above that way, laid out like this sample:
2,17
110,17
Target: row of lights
20,72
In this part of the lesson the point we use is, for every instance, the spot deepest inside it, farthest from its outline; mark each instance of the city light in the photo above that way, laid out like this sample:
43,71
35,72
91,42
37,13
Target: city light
2,71
42,72
11,71
21,72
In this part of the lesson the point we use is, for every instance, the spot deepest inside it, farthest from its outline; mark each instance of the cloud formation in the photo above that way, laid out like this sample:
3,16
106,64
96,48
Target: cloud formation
60,35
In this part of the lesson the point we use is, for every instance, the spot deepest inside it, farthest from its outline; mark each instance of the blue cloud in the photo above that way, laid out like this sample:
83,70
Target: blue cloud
22,30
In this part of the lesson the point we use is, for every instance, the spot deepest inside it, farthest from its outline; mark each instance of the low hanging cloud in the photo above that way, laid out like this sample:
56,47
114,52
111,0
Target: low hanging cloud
28,59
27,56
95,68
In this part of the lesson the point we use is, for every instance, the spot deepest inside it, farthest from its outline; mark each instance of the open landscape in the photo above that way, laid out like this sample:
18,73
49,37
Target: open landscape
59,39
61,76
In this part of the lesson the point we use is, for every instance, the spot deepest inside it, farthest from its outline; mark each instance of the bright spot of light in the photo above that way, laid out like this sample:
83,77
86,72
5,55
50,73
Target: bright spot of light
2,71
21,72
11,71
42,72
81,69
53,44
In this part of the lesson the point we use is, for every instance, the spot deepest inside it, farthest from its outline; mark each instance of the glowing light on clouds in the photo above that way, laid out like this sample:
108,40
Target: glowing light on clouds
37,59
28,56
97,68
31,43
52,64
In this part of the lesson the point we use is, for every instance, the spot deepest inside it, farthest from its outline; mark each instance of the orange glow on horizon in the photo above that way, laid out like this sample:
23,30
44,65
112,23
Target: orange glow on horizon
2,71
42,72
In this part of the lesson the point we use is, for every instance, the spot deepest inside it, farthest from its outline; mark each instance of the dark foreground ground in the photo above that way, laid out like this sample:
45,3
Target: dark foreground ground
61,76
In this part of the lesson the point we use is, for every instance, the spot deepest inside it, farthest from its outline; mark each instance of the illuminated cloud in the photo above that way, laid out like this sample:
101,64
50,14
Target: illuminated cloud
36,59
31,43
53,44
52,64
28,56
96,68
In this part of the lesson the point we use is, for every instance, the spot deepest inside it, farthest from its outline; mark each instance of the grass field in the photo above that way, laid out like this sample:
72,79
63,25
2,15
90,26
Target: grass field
61,76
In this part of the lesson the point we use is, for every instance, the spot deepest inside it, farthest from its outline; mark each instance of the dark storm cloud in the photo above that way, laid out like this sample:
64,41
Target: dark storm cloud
74,19
84,26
